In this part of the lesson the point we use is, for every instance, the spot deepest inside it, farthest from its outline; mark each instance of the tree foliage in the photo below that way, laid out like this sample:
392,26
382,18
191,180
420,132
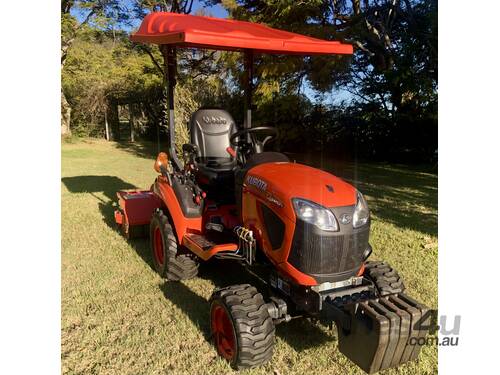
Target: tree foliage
391,78
100,69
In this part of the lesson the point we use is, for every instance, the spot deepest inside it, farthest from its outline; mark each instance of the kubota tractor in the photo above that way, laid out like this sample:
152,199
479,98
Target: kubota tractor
229,198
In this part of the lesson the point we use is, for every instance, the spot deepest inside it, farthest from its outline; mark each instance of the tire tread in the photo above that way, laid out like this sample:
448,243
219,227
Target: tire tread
386,278
255,333
177,266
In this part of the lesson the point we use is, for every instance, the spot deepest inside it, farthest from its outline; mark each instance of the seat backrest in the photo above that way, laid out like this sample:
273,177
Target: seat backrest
210,131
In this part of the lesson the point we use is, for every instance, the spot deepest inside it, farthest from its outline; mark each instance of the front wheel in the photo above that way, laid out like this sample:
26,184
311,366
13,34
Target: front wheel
242,330
385,278
167,262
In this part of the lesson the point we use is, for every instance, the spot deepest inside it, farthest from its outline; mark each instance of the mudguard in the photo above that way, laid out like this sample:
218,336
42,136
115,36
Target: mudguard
181,223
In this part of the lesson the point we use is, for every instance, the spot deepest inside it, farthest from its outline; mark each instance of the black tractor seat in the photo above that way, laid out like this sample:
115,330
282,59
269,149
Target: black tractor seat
215,163
211,129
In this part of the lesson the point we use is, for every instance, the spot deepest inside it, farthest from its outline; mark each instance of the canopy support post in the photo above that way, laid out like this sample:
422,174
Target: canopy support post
248,88
170,60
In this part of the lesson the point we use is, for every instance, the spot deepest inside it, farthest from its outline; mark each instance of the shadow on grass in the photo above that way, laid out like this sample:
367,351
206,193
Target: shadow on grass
300,334
147,150
404,197
140,245
108,185
194,306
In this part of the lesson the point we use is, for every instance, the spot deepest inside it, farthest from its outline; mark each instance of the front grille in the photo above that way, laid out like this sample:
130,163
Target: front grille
317,252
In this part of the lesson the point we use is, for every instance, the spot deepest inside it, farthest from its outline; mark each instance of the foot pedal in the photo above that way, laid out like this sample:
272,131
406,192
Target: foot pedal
201,241
214,226
204,247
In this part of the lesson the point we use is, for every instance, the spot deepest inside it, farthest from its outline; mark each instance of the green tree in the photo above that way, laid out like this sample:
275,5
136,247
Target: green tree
101,12
193,66
392,75
104,69
395,61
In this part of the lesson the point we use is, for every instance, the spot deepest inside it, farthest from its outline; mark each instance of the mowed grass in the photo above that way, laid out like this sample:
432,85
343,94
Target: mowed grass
120,317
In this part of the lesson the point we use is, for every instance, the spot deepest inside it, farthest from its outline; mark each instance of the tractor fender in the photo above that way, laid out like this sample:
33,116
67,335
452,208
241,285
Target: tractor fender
181,223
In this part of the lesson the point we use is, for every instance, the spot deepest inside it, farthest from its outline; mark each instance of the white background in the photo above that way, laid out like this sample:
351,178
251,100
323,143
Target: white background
469,210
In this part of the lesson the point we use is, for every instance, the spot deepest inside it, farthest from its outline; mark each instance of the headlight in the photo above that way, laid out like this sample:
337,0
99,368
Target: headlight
361,212
315,214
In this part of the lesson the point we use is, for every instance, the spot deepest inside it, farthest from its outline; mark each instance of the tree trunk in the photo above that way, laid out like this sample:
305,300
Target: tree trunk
65,115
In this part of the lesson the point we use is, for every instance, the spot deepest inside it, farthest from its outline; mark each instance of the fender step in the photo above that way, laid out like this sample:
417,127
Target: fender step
383,332
204,247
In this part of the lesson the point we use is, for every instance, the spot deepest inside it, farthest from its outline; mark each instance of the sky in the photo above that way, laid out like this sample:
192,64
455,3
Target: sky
216,11
220,12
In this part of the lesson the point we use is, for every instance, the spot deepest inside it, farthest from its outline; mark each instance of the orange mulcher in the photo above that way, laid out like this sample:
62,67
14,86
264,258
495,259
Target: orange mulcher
302,231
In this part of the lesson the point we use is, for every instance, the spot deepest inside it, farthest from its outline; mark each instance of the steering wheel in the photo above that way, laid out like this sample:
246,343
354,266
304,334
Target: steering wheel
238,140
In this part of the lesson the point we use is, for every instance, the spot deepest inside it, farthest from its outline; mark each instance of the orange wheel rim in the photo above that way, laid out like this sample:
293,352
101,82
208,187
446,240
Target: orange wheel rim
223,332
158,246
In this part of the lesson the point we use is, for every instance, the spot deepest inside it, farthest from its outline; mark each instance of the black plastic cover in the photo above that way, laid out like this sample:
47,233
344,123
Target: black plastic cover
184,196
275,227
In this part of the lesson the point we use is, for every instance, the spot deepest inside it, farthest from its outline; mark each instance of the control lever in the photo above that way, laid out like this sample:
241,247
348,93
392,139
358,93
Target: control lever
231,152
198,194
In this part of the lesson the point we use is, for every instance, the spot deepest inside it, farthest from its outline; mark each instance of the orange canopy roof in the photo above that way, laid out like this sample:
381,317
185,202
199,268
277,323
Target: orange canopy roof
224,34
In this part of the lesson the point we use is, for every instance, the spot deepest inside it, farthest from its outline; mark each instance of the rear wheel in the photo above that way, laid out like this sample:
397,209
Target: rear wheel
167,262
242,330
385,278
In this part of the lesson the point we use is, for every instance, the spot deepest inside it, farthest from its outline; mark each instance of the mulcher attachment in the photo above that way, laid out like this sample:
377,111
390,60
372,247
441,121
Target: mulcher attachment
383,332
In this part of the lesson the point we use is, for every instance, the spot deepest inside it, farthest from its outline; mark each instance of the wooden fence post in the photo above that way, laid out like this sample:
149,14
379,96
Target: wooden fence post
131,122
106,123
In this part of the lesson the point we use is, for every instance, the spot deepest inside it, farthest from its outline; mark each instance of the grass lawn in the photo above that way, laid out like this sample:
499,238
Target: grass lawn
120,317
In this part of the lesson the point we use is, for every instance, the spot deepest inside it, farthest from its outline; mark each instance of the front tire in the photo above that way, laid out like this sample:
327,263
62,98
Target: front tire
242,330
167,262
385,278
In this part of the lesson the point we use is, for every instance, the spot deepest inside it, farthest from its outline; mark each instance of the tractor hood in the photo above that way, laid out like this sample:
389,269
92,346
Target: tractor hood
278,183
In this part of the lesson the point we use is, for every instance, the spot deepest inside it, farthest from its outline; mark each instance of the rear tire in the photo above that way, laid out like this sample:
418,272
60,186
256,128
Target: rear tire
167,262
241,327
385,278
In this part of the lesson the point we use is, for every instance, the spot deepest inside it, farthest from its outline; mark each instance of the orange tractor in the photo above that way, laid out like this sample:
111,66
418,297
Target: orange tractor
230,199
